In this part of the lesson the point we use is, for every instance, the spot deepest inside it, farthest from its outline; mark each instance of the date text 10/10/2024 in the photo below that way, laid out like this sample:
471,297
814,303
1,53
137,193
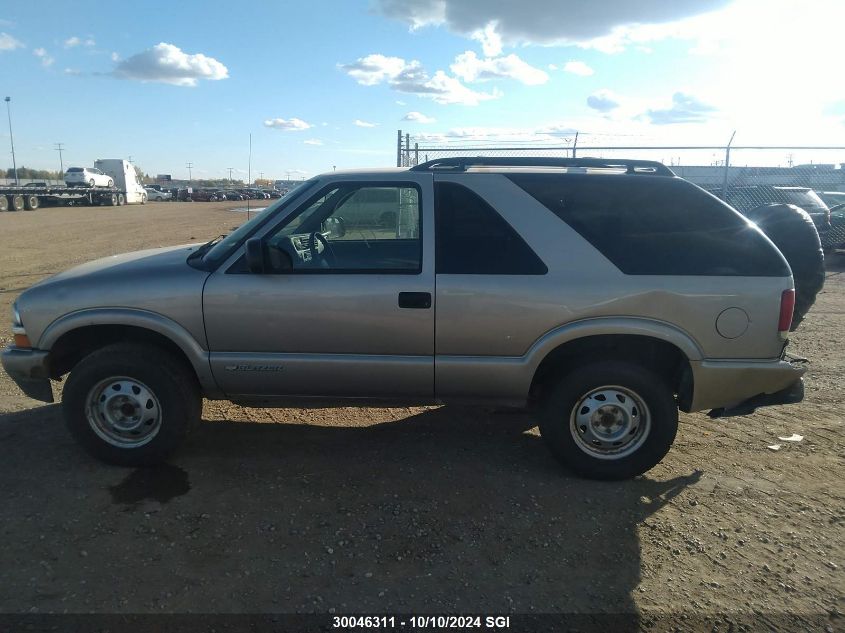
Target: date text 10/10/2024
421,622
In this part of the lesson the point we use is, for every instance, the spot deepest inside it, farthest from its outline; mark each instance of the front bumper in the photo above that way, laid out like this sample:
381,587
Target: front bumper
28,368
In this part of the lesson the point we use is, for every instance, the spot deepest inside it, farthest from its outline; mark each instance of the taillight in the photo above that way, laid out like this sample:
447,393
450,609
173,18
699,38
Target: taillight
787,305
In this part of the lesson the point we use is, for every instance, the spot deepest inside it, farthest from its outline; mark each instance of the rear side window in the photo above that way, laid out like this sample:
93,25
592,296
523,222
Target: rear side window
648,225
473,239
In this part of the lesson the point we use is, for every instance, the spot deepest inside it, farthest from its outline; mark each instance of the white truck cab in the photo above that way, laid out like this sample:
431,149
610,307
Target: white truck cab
125,178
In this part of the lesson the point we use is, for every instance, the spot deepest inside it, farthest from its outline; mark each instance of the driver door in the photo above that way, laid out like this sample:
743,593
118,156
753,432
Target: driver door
350,316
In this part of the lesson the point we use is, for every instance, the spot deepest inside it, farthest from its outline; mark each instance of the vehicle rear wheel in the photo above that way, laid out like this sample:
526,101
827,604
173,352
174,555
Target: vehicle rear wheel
121,200
130,404
111,200
111,183
609,420
17,203
31,203
4,203
91,183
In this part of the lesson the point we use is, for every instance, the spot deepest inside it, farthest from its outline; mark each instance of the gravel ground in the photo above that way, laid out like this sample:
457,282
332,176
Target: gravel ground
419,510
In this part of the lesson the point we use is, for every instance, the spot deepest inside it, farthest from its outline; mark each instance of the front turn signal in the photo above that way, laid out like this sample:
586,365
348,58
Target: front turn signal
22,341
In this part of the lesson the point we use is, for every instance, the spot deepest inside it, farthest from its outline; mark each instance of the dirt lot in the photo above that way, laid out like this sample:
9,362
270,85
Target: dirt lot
414,510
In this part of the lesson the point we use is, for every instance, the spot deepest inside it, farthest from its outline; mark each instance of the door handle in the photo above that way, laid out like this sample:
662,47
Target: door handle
419,300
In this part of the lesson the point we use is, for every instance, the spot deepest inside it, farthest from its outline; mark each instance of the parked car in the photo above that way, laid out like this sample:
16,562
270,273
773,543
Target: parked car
205,195
158,195
605,301
273,193
36,184
834,239
87,177
746,198
832,198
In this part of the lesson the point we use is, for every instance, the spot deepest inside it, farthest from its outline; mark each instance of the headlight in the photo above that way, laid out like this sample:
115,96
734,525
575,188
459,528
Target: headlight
16,316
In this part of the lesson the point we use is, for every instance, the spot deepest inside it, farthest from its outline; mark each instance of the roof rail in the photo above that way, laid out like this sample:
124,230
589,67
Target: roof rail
463,163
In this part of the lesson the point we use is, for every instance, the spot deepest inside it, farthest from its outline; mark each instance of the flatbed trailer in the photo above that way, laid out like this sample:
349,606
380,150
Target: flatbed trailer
30,198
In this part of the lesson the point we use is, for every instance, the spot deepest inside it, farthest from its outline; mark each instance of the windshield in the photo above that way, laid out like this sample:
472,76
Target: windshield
222,249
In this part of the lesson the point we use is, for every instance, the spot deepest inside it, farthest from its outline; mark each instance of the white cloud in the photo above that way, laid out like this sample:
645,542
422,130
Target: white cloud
491,42
578,68
9,43
44,56
374,69
418,117
166,63
603,101
685,108
288,125
313,141
72,71
115,57
401,103
469,67
361,123
410,77
74,41
608,25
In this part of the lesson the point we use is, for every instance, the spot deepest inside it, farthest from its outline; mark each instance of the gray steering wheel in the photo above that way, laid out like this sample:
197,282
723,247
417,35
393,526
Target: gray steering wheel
327,255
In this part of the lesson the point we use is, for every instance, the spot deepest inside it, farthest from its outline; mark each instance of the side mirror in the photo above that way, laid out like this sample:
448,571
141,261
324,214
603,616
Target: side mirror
255,260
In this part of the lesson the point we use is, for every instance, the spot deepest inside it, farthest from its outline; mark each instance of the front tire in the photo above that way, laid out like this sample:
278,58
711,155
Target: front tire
131,405
609,420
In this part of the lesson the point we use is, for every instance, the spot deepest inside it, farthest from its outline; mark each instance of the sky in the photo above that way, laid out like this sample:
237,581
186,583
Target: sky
327,83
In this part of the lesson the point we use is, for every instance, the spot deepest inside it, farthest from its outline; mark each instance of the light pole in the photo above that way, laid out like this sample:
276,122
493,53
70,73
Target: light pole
12,139
231,169
60,149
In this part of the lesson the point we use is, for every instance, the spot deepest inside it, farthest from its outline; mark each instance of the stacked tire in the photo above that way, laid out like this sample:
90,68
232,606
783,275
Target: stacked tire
793,232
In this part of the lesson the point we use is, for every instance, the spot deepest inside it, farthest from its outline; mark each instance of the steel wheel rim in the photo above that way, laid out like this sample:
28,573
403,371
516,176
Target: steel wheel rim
123,412
610,422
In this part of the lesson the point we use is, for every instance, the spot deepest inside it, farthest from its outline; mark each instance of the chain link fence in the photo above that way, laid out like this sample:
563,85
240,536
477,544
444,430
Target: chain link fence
811,177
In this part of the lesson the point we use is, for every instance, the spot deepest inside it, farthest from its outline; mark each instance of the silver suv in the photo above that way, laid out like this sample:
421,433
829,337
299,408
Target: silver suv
605,294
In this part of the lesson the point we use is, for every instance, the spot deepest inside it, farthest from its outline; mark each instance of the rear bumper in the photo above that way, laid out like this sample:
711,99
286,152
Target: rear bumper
28,368
725,384
791,395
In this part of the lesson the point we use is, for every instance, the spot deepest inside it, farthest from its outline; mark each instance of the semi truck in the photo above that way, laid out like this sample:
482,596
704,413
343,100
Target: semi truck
126,190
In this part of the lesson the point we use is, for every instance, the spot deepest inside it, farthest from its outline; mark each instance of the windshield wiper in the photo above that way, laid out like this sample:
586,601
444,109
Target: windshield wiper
202,250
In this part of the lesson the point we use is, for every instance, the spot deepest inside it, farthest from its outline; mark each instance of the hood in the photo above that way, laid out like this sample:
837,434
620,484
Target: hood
127,265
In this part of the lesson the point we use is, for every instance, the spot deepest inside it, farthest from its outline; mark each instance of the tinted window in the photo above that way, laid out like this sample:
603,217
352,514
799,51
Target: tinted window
649,225
473,239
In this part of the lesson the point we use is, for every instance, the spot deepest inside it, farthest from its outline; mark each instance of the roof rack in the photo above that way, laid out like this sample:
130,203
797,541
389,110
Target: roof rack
463,163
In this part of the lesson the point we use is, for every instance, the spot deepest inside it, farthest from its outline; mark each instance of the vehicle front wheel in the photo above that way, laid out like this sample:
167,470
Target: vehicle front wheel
131,405
609,419
91,183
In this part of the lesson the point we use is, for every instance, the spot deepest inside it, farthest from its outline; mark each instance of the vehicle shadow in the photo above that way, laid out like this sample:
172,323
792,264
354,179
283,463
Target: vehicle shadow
448,510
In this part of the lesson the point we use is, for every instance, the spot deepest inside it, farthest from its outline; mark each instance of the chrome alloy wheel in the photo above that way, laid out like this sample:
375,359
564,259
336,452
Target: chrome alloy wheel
610,422
123,412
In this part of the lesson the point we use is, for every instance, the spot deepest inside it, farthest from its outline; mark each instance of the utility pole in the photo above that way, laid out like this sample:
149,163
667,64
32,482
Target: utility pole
12,139
59,149
189,166
231,169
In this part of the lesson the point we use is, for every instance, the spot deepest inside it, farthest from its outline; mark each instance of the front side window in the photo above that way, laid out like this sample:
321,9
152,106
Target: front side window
352,227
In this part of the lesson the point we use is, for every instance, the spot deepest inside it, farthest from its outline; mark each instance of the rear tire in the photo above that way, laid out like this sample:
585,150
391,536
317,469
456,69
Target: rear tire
131,405
791,229
31,203
4,203
91,183
121,199
17,202
609,420
111,183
